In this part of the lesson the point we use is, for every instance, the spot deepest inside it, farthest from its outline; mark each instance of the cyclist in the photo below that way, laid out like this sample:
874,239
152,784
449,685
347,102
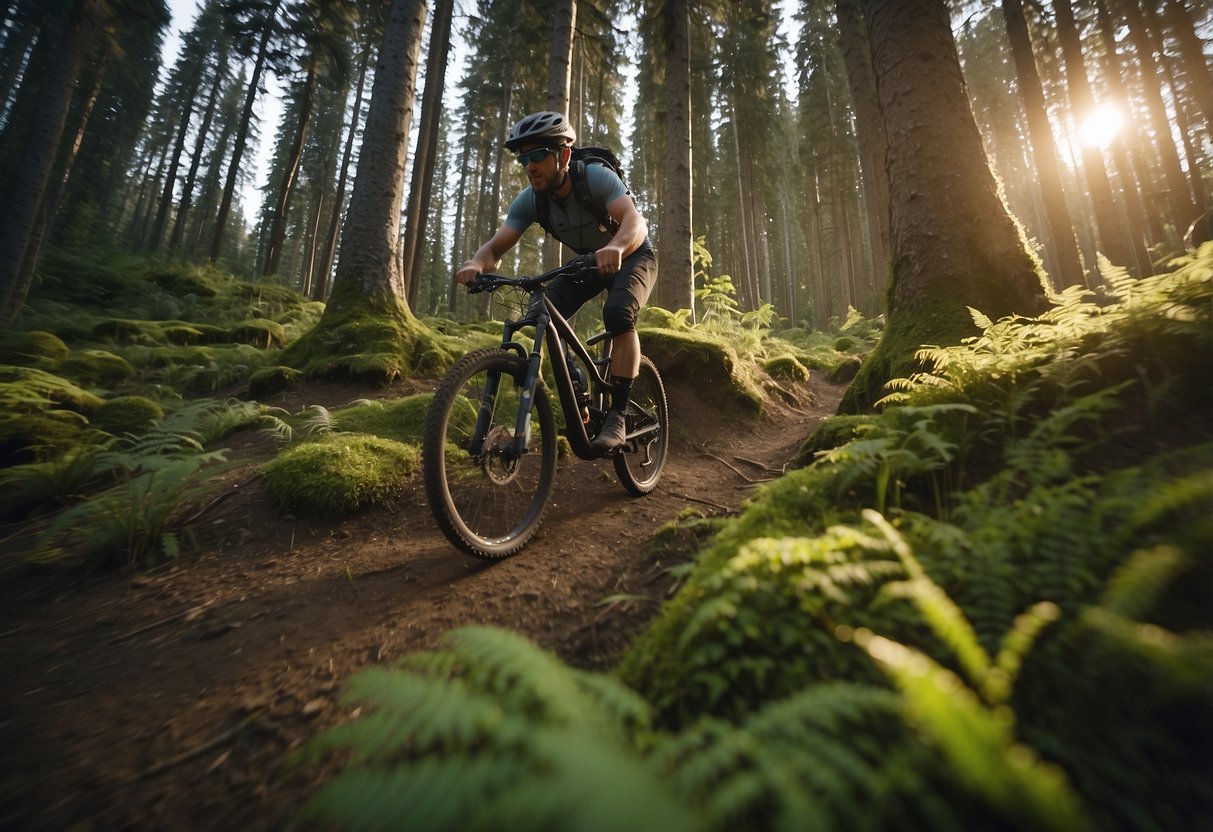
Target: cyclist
627,266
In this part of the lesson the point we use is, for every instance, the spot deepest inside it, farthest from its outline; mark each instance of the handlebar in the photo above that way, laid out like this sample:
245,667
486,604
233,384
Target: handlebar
488,282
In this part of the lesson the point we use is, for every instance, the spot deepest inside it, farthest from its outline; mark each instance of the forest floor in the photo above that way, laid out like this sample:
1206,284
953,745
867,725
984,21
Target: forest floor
175,699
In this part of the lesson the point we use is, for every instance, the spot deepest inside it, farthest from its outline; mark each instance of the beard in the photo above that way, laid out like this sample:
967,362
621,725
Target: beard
544,184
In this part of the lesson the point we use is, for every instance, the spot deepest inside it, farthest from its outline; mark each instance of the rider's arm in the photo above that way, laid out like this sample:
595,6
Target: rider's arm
633,228
489,255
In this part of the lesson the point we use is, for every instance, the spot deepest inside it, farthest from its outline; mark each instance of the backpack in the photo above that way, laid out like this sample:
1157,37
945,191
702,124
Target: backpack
581,157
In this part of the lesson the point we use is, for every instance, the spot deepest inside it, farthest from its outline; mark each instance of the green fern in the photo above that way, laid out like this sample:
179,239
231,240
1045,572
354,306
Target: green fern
493,732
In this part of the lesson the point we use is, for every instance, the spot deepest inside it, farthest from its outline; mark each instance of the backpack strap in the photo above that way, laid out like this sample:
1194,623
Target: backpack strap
581,192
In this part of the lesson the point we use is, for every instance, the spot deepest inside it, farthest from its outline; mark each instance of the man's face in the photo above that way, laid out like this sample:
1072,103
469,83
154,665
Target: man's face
542,166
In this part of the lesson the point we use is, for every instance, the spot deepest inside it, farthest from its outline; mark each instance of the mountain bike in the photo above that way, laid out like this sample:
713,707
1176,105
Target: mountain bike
490,448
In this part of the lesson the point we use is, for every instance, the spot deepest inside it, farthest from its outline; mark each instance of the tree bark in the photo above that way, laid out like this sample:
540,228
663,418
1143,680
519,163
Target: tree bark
1179,21
29,180
320,286
191,177
674,253
954,243
559,81
1063,249
368,268
427,146
1179,201
246,117
1112,237
290,173
858,58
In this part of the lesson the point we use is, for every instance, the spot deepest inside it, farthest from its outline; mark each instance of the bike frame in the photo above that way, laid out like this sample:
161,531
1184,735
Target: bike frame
551,329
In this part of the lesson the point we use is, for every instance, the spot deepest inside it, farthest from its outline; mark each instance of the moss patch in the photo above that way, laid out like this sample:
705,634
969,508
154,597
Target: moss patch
373,346
707,364
126,414
400,419
340,474
96,367
786,367
31,348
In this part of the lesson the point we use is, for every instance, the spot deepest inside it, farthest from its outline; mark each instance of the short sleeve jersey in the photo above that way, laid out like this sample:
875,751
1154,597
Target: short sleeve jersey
576,227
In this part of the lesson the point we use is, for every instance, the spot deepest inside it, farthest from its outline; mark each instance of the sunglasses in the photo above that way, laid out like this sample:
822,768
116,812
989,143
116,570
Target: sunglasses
537,155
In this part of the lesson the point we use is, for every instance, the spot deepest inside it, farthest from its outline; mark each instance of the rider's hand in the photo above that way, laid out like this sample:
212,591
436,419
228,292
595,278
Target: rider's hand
467,273
609,260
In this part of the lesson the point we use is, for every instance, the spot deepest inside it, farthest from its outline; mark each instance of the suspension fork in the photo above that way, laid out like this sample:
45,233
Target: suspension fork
526,403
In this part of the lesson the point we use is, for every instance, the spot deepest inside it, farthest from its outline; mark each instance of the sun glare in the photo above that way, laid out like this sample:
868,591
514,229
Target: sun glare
1101,125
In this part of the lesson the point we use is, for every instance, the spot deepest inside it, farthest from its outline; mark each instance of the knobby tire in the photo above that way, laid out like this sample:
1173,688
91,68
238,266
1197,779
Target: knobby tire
487,504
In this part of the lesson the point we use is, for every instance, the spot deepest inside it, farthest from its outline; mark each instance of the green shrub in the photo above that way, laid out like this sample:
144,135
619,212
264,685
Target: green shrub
340,474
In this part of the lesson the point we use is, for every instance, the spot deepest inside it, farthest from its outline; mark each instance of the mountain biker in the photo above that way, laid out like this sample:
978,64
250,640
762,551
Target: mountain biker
627,266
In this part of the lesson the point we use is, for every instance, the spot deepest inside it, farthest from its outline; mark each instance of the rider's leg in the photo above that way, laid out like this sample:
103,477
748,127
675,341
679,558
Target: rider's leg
629,290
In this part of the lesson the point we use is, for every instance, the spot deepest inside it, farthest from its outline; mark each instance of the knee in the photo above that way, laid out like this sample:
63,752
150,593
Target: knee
618,318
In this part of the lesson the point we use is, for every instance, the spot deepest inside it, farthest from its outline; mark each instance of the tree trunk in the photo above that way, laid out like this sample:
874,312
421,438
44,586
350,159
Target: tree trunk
29,180
1144,224
954,244
320,287
246,117
427,146
191,177
170,178
858,58
1112,238
674,254
48,214
290,173
1182,210
457,252
1061,230
559,80
1196,65
368,268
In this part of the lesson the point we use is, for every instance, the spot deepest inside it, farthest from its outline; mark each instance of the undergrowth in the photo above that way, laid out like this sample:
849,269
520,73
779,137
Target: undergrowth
985,606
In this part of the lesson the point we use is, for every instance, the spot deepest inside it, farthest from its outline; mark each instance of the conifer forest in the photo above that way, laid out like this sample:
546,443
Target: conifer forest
932,546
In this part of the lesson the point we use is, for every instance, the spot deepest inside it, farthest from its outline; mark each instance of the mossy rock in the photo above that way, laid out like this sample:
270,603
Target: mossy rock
845,370
340,474
844,343
125,330
400,419
25,389
126,414
99,367
188,280
786,367
270,381
707,365
31,348
259,332
30,437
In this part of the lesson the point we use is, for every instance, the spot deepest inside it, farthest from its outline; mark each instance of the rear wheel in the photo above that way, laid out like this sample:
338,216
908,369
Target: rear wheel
487,500
639,464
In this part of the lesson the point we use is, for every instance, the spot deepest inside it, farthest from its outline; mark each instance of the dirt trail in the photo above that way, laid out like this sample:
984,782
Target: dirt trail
173,700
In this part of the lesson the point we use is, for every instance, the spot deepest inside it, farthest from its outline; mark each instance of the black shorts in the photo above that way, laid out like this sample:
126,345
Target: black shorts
628,289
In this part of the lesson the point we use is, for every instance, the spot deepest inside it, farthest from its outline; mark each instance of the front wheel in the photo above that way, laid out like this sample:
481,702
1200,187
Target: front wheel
487,499
639,464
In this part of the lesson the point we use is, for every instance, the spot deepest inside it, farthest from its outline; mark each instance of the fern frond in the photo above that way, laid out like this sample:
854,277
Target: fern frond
978,742
1139,582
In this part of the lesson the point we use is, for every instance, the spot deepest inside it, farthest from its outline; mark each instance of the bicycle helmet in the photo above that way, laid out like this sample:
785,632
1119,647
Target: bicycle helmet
545,128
